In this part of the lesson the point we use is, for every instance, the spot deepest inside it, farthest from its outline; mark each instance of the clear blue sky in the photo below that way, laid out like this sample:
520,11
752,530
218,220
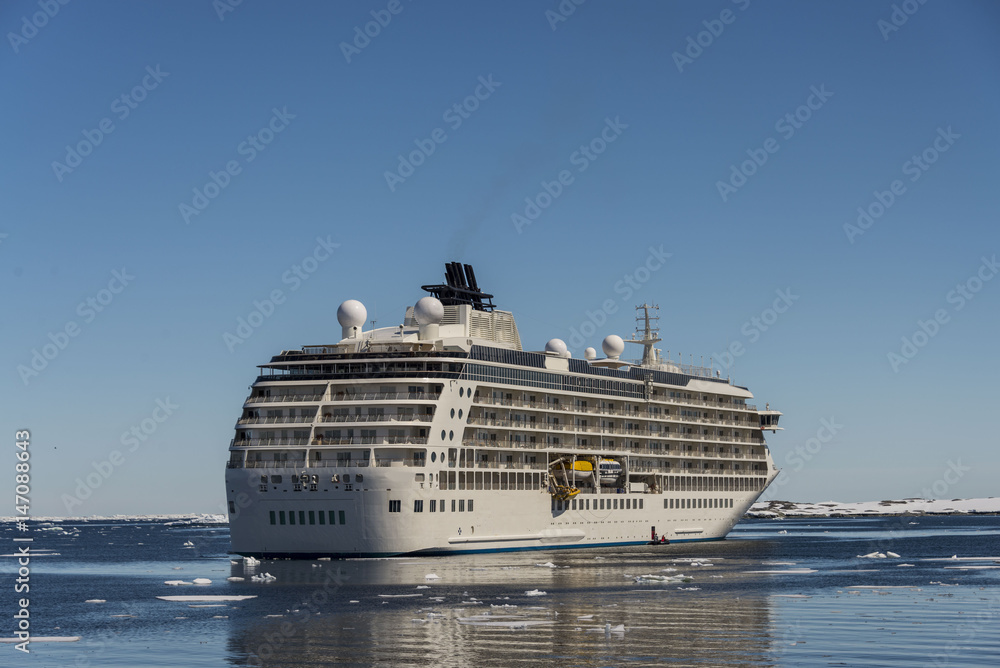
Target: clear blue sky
678,127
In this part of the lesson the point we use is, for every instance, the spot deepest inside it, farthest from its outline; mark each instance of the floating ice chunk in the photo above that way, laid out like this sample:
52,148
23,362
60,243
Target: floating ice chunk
188,543
904,565
423,587
190,599
95,600
236,579
872,555
265,577
783,531
354,601
892,554
432,576
202,581
250,561
547,564
535,592
234,562
689,588
585,617
399,595
176,583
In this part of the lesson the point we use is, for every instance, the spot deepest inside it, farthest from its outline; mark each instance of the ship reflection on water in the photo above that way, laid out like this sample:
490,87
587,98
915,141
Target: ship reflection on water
477,611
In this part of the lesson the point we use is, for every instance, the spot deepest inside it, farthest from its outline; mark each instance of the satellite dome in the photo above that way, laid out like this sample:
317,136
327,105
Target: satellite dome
613,346
557,346
352,313
590,354
429,311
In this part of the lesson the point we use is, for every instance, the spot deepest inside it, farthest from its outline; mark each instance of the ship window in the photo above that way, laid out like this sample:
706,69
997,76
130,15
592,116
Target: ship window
359,478
443,434
574,504
461,391
291,517
302,517
441,507
453,505
418,505
433,505
322,517
453,412
333,518
276,478
341,513
470,505
395,506
451,436
281,516
602,504
312,517
272,517
461,505
434,456
640,504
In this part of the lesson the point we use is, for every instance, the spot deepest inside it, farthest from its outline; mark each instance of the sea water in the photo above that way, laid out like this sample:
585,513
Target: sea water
775,593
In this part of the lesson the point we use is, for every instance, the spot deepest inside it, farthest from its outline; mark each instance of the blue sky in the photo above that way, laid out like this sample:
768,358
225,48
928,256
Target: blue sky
833,100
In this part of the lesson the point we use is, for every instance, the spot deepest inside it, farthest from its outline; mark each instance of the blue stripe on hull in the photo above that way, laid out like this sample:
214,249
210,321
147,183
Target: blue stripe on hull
433,552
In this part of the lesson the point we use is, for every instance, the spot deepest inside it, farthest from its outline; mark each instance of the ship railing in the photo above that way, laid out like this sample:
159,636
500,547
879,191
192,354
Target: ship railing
283,397
248,442
372,440
382,396
385,417
661,402
283,419
383,462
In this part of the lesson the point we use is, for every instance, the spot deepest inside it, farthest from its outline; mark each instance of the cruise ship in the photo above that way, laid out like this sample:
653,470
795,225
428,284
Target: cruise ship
442,435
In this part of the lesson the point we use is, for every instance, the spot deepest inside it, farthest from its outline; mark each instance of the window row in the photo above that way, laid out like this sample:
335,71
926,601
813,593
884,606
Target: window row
330,517
435,505
674,504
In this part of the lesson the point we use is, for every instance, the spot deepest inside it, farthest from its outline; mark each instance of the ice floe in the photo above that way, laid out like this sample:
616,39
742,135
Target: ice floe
191,599
535,592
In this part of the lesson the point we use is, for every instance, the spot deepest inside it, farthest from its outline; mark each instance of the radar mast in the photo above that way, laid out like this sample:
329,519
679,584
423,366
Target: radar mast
650,333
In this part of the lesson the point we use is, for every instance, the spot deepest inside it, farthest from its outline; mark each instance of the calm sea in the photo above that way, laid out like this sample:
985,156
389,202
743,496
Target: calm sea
775,593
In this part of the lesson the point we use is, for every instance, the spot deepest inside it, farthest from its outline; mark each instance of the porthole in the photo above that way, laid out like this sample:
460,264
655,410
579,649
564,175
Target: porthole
459,413
451,436
443,434
434,456
453,412
461,391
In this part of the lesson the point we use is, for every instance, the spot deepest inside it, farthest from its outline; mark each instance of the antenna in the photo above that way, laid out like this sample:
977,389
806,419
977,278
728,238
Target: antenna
650,332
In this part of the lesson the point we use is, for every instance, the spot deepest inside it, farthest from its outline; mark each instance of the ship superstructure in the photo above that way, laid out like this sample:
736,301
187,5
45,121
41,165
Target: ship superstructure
443,435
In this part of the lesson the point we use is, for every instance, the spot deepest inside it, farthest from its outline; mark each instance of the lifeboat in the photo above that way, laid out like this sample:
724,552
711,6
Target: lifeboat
610,471
582,470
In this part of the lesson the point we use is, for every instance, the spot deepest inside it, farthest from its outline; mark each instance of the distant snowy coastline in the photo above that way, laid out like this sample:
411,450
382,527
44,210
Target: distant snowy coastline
192,519
778,509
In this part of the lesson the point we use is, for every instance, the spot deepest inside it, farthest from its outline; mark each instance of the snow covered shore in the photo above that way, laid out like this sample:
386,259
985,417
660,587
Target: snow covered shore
193,519
774,509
